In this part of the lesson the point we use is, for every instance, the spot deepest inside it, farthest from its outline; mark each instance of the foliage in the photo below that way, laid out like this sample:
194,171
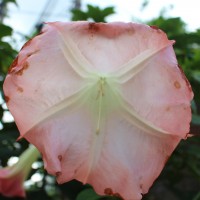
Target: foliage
94,13
9,132
180,180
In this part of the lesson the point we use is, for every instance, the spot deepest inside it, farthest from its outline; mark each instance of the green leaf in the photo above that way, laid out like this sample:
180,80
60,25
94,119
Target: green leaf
108,11
88,194
10,1
94,13
78,15
194,107
196,75
5,30
196,119
172,26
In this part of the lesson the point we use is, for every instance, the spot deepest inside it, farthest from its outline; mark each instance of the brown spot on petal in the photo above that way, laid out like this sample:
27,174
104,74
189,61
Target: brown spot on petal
7,99
93,27
130,31
20,89
168,108
185,78
177,85
60,158
106,30
25,66
108,191
58,174
13,65
154,27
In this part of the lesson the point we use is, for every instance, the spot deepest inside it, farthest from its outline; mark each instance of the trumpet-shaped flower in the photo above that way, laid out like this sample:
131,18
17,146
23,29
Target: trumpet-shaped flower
12,178
105,104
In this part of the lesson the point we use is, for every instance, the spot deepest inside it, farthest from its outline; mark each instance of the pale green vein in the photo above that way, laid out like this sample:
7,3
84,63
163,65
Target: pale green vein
73,101
137,64
75,58
138,121
135,119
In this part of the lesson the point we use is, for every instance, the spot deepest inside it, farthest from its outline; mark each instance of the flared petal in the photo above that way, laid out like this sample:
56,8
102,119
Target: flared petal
105,104
40,78
11,186
121,158
161,94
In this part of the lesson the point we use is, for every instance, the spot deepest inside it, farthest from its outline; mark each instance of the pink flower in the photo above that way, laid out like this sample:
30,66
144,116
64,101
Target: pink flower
105,104
13,177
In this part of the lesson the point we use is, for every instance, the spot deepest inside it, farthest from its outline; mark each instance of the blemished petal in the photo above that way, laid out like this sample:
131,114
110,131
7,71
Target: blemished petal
161,94
105,104
39,79
130,160
121,158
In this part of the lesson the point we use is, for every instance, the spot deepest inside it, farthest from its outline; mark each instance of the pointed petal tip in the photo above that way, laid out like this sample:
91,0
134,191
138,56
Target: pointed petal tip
19,138
189,135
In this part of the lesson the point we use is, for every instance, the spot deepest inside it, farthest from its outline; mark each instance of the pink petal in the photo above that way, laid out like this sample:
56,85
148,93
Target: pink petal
12,178
121,158
105,104
11,186
161,94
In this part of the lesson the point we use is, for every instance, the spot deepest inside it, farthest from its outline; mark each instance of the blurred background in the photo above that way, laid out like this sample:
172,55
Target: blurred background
21,20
